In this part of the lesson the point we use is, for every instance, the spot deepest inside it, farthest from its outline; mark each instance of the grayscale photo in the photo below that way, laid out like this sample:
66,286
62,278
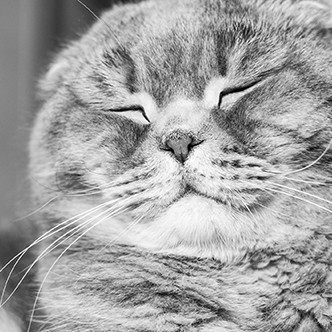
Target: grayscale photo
166,166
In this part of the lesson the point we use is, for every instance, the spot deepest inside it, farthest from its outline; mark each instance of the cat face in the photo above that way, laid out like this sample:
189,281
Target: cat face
186,129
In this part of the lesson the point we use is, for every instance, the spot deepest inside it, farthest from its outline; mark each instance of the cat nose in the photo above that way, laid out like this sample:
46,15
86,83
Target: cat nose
180,146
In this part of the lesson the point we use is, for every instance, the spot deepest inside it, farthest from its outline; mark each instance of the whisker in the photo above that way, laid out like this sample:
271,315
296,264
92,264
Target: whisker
311,164
59,257
49,233
52,244
86,193
35,211
300,198
246,206
327,180
306,181
130,226
91,11
44,252
299,191
99,19
93,190
41,184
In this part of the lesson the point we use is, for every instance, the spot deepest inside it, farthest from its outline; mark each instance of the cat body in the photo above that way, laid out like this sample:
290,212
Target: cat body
130,290
183,151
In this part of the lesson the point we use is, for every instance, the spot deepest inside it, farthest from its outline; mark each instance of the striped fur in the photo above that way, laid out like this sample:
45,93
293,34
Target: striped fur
236,237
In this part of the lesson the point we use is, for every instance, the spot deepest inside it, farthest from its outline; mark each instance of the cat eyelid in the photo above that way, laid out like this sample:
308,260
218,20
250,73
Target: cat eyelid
131,108
236,89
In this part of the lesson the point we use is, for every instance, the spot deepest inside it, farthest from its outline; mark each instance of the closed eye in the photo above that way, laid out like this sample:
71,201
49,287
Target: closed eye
242,89
131,108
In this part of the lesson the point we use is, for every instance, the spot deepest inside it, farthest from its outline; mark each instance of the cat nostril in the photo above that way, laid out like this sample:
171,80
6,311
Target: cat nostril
180,146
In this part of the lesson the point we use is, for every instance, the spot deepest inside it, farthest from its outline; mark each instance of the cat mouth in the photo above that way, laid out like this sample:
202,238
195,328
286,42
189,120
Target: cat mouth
189,190
235,202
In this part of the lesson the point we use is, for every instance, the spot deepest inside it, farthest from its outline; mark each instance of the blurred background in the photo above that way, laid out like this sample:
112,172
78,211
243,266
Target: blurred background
31,33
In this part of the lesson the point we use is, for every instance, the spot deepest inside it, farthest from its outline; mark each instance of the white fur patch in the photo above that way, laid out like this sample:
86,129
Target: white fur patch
7,323
212,91
147,102
217,85
198,226
193,219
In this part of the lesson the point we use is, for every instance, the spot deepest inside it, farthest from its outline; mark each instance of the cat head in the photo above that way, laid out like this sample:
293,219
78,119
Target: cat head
190,126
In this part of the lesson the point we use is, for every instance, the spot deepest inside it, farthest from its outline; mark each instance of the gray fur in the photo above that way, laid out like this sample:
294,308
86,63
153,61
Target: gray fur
217,247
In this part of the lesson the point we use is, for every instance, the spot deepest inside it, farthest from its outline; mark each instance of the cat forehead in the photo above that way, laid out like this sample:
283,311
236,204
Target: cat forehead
177,59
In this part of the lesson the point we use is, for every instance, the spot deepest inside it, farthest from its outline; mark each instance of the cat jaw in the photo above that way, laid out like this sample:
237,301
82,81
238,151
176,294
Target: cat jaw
200,227
197,226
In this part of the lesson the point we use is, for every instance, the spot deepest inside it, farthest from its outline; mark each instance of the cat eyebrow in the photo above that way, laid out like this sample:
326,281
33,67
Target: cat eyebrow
131,108
235,89
251,82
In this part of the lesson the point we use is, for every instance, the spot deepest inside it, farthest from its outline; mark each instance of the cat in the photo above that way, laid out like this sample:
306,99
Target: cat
180,172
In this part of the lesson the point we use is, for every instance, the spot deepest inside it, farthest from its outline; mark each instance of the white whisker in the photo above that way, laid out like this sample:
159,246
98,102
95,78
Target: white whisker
46,235
311,164
299,198
306,181
44,252
59,257
246,206
86,193
128,228
99,19
37,210
299,191
49,233
82,215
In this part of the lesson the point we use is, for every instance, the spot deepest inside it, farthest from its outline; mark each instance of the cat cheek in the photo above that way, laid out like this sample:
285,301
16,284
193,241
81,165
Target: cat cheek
122,138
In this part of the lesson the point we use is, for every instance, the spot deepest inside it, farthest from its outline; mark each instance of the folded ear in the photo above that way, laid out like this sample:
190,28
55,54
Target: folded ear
53,77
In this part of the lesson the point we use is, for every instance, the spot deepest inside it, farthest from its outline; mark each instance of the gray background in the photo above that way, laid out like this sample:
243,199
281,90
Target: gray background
31,32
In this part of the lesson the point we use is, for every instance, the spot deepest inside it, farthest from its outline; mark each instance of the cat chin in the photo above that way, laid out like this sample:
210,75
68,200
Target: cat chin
198,226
